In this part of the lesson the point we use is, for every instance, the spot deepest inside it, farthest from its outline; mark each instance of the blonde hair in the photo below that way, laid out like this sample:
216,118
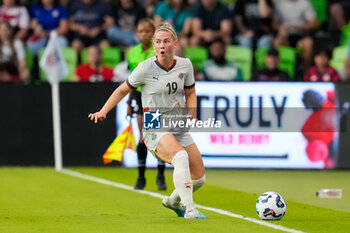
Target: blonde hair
167,28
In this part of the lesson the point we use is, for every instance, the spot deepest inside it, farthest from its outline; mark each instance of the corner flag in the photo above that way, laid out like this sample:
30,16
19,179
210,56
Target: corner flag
126,140
52,61
55,67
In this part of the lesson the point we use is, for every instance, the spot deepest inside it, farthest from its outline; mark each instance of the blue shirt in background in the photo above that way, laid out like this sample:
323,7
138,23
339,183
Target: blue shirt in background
49,19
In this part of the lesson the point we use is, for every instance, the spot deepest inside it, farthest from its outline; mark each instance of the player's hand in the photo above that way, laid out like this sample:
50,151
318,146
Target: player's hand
130,111
97,116
192,115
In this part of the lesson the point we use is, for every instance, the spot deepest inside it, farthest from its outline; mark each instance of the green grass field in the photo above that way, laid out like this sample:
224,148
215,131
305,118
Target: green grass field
43,200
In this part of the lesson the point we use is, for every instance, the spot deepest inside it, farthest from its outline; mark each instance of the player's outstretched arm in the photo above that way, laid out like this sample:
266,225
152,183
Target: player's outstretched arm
112,101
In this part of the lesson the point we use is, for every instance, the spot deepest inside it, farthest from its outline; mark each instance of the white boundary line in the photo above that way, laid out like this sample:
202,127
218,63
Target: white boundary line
157,195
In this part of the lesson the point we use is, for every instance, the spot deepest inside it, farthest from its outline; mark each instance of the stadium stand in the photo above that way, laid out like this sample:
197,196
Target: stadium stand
287,59
111,56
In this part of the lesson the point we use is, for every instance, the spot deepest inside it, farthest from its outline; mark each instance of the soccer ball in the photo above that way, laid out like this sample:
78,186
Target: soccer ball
271,206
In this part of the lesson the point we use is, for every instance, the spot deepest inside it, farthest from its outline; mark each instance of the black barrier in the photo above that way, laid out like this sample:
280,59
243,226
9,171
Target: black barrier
26,125
27,133
84,142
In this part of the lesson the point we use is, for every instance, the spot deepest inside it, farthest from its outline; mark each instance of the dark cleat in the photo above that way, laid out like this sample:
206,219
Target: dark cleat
161,183
141,183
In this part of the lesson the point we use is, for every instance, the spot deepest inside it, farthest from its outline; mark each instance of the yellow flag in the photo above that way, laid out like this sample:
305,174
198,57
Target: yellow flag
126,140
130,142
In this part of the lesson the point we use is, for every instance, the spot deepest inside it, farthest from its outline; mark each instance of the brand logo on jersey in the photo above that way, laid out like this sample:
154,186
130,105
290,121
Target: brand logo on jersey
156,78
151,120
181,76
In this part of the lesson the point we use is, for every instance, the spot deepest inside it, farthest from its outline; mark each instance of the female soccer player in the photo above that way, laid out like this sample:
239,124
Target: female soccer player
165,80
139,53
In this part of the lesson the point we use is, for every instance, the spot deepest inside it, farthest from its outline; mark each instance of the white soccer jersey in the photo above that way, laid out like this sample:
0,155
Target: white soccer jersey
162,87
17,16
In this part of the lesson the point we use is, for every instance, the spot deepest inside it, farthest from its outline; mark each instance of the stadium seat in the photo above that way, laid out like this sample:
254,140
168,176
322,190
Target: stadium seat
339,57
287,59
241,56
71,57
260,55
198,55
111,56
320,7
29,59
345,37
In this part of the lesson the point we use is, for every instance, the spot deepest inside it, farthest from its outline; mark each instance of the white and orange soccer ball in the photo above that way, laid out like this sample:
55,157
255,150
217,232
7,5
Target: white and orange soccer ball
271,206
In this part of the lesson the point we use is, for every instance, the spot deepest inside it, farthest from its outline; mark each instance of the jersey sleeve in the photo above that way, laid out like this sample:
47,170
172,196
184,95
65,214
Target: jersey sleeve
309,11
189,79
23,18
137,77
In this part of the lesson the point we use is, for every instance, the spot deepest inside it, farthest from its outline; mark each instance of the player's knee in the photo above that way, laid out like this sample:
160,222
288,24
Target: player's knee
180,156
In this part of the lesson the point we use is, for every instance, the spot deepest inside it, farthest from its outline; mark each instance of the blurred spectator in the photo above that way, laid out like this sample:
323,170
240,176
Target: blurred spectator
272,72
64,3
46,17
17,16
340,14
218,68
211,21
126,15
296,20
322,71
177,13
253,19
13,65
149,6
89,20
93,71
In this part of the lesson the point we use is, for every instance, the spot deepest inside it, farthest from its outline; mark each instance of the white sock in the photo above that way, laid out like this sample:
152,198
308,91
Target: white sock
175,198
182,178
